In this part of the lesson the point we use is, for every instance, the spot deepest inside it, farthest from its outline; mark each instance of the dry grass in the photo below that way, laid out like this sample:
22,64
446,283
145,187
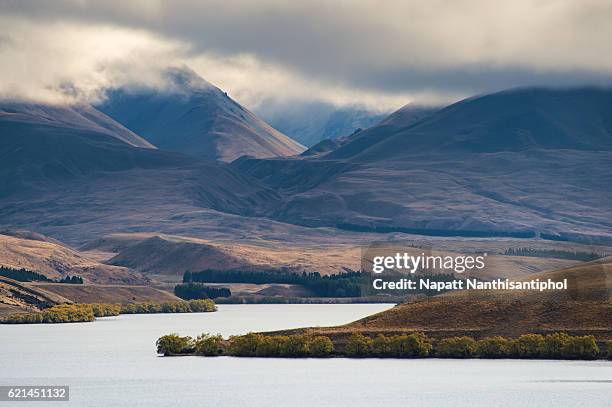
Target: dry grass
585,308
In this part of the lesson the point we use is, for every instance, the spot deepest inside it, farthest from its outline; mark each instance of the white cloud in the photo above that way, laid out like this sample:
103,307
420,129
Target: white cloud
66,62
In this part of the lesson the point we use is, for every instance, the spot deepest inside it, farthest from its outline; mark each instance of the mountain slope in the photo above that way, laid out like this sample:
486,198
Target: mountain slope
583,309
513,120
56,260
195,117
522,163
42,145
65,120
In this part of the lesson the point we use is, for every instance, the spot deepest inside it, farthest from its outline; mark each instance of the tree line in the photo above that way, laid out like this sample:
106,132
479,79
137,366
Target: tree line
88,312
341,285
415,345
551,253
198,291
25,275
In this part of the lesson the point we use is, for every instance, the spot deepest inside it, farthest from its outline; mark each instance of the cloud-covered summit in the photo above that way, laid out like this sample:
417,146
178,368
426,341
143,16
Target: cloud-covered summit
378,54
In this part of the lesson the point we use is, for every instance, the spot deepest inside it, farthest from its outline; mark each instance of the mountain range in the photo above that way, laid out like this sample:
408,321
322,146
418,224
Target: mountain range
521,163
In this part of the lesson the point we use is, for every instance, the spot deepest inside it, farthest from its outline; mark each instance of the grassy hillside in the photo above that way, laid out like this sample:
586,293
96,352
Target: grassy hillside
55,260
585,308
94,293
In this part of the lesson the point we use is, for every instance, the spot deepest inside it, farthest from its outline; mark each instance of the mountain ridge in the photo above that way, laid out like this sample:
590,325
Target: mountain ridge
194,117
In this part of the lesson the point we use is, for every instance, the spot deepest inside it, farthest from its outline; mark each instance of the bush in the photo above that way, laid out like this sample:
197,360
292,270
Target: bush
609,349
270,346
555,345
358,346
174,344
208,345
413,345
244,345
320,346
457,347
529,346
581,347
295,346
493,347
381,346
68,313
29,318
202,306
106,310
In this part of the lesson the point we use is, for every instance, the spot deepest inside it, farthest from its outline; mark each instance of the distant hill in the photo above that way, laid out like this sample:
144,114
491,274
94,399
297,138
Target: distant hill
194,117
522,163
42,146
55,260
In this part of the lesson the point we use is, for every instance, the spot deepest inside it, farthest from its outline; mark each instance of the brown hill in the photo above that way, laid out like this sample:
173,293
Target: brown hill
55,260
18,297
585,308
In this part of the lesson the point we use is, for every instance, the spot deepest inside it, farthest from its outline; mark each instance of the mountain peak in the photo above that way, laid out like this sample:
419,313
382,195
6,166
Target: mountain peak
196,118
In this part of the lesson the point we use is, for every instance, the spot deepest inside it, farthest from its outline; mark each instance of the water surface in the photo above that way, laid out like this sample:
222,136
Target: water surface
112,362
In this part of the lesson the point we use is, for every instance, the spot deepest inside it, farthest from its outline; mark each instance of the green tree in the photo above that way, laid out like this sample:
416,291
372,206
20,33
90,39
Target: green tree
209,345
173,344
244,345
581,347
358,345
413,345
456,347
493,347
270,346
295,346
529,346
381,346
556,344
320,346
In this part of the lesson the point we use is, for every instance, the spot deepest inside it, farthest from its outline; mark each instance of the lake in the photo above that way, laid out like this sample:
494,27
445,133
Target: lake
112,362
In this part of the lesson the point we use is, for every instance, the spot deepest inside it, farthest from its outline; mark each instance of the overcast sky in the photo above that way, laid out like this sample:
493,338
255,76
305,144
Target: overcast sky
381,54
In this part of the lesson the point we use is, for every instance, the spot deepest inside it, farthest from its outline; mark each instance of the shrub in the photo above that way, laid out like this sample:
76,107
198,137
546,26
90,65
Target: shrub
202,306
295,346
581,347
381,346
106,310
208,345
493,347
457,347
174,344
358,346
555,345
609,349
68,313
529,346
29,318
244,345
270,346
413,345
320,346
